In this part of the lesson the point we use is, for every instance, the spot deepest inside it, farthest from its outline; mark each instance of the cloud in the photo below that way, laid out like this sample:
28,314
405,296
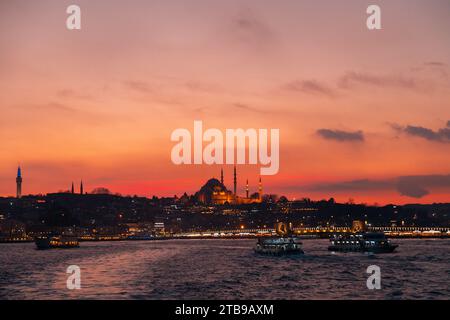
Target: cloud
63,113
353,185
340,135
309,86
435,64
139,86
416,186
71,94
350,79
422,132
245,107
411,190
197,86
441,135
430,68
249,29
51,106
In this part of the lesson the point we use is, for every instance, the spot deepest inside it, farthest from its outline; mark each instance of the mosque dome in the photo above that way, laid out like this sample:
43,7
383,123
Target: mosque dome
212,186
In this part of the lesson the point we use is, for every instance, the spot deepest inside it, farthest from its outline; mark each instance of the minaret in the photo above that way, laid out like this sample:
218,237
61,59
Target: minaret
221,176
235,180
73,190
246,189
19,183
260,189
81,187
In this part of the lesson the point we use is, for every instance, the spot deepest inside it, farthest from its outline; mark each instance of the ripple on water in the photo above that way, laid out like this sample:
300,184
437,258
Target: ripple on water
222,269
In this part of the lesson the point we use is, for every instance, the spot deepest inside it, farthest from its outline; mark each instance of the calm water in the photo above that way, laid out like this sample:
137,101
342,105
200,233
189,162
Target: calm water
222,269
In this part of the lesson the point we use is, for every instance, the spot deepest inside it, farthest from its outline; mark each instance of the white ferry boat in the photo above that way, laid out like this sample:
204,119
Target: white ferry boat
284,243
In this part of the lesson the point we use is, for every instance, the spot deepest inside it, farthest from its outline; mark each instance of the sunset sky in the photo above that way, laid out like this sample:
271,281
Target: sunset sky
362,114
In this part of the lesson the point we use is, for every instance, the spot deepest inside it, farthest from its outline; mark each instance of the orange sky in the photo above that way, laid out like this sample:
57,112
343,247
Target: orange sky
100,104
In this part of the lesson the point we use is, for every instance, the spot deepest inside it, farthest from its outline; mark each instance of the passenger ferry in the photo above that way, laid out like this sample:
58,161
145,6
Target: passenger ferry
56,242
279,246
372,242
285,243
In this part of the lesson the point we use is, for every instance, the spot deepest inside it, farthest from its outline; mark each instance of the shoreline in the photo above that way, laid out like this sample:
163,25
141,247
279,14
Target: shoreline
218,238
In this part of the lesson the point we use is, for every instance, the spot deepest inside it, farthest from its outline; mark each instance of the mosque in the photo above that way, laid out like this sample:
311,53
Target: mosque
215,192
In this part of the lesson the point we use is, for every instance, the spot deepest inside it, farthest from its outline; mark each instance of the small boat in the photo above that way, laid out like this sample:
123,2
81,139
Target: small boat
371,242
56,242
279,246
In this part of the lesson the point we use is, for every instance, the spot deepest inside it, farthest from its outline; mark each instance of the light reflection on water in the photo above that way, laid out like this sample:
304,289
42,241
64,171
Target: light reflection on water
222,269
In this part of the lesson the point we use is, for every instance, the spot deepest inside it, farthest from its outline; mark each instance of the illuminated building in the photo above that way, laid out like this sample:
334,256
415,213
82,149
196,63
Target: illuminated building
358,226
215,192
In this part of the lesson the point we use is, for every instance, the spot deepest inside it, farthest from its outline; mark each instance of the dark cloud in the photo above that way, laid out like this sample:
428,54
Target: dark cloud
310,86
351,79
411,186
411,190
422,132
441,135
340,135
418,186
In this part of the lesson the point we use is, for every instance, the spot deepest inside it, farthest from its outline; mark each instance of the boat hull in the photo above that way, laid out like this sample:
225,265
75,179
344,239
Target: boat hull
381,249
386,249
55,243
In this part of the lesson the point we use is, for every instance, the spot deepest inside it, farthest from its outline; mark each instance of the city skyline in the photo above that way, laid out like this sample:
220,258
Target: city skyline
242,192
362,114
257,188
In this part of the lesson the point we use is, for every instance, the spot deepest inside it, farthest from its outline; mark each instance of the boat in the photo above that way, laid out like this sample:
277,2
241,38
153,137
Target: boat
279,246
371,242
284,244
56,242
140,237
